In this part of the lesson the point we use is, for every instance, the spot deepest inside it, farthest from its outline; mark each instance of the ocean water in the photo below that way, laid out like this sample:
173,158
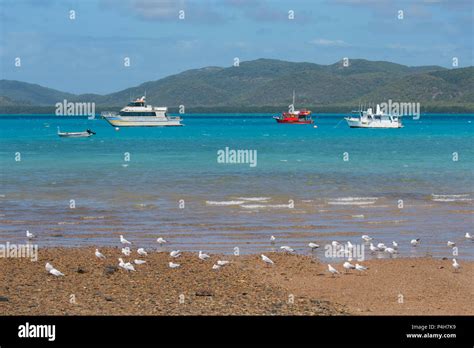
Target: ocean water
300,190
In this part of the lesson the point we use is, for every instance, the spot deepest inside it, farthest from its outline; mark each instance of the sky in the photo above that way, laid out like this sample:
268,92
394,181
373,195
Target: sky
85,51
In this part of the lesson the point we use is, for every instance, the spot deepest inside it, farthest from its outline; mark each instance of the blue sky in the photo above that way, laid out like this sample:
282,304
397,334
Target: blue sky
86,55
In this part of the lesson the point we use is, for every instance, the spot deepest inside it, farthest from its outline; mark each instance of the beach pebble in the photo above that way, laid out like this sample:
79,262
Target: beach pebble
110,269
4,299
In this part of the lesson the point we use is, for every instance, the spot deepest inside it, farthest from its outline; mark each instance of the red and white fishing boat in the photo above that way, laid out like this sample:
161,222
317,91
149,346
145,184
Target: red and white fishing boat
293,116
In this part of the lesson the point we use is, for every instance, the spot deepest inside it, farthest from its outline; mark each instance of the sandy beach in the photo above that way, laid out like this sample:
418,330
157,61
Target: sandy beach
294,285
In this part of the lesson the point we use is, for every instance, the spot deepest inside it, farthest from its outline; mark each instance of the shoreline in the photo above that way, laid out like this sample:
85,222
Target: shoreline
294,285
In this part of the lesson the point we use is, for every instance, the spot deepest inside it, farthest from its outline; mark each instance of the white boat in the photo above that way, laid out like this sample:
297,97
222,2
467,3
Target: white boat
369,119
85,134
138,114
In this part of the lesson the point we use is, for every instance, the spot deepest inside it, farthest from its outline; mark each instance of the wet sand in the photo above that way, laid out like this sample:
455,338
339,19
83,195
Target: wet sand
294,285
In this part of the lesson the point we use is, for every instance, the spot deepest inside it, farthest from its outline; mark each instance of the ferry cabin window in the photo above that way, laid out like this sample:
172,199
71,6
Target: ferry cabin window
136,104
137,113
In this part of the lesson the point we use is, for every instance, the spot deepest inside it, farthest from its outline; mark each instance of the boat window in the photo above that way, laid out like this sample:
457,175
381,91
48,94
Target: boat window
137,113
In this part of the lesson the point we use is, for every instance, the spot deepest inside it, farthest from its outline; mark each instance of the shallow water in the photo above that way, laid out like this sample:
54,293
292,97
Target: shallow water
301,189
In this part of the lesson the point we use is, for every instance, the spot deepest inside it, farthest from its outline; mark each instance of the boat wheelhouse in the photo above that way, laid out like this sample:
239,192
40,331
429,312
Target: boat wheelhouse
371,119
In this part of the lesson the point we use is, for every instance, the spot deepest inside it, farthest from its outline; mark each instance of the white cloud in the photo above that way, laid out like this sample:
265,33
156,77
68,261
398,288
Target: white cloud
326,42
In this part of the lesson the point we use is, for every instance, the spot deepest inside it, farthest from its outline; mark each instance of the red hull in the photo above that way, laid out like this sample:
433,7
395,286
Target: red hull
292,121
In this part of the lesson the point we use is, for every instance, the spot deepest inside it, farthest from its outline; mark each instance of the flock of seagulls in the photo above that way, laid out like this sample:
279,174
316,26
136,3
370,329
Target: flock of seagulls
380,247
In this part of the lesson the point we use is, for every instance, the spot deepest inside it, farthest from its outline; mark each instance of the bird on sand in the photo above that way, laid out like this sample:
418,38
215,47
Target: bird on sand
361,268
348,266
215,266
123,240
395,245
139,262
332,270
373,248
313,246
126,265
56,273
267,260
99,255
450,244
126,251
175,253
29,235
141,251
272,239
48,267
287,249
222,262
415,242
173,265
391,251
456,265
203,256
366,238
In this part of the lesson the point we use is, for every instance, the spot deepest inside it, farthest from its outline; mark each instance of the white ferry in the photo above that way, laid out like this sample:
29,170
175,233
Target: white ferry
369,119
138,114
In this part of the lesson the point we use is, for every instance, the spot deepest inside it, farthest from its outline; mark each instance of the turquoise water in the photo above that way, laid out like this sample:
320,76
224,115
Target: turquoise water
228,205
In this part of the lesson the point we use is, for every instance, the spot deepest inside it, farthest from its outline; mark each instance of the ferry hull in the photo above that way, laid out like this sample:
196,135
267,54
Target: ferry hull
356,123
143,123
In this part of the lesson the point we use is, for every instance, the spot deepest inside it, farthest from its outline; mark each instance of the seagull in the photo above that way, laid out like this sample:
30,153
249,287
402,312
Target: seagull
348,266
139,262
203,256
123,240
216,266
373,248
272,239
313,246
361,268
391,251
415,242
267,260
174,265
142,252
332,270
395,245
366,238
287,248
55,272
48,267
456,265
381,246
468,236
29,235
175,253
222,262
161,241
126,266
451,244
99,254
126,251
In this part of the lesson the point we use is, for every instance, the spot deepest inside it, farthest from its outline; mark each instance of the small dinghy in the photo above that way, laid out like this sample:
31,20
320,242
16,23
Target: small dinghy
86,134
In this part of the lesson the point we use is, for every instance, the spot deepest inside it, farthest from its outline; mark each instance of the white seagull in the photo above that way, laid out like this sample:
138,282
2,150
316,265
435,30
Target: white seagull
366,238
381,246
173,265
348,266
332,270
139,262
126,266
456,265
287,248
161,241
126,251
142,252
215,266
451,244
395,245
391,251
415,242
55,272
222,262
48,267
29,235
175,253
203,256
98,254
313,246
267,260
361,268
468,236
123,240
272,239
373,248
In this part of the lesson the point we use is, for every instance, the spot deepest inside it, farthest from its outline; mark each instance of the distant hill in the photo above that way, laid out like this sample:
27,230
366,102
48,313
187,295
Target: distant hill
269,83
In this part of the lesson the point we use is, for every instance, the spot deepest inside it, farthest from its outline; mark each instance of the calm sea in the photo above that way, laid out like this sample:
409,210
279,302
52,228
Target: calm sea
309,184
